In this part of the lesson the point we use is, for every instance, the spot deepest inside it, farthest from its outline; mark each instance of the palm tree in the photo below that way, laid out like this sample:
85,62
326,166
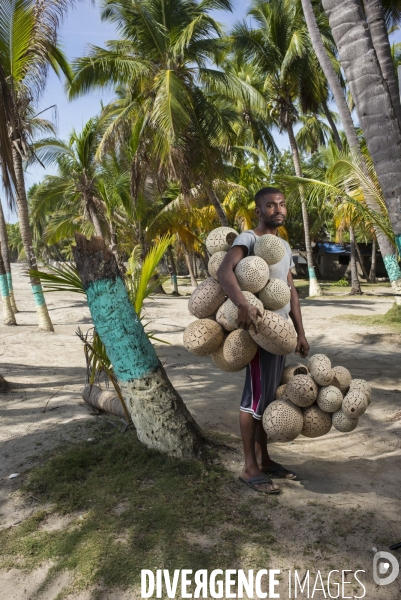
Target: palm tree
28,47
6,258
386,248
179,107
374,108
290,74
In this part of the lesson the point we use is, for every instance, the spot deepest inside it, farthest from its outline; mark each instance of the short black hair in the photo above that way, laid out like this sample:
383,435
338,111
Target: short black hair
266,191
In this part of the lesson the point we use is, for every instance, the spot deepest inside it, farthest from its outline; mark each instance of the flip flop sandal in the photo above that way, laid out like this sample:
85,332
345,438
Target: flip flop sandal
253,482
275,472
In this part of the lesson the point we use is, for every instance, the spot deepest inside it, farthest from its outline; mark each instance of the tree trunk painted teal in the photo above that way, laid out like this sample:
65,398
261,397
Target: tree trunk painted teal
8,314
159,414
6,258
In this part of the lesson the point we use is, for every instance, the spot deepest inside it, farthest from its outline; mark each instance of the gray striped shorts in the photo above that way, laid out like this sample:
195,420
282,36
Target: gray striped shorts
263,376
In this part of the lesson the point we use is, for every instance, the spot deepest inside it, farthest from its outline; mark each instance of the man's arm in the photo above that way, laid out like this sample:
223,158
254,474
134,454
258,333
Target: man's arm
247,314
295,313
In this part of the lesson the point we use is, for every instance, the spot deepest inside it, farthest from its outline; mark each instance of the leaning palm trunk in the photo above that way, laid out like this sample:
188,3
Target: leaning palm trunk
44,321
372,273
188,260
6,258
385,246
159,414
379,34
373,105
217,206
360,259
355,285
173,269
8,314
314,287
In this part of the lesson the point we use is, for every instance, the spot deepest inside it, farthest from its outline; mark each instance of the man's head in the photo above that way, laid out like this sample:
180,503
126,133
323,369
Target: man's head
270,207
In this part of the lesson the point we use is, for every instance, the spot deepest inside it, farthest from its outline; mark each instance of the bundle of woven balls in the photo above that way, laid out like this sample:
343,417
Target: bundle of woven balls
215,331
313,398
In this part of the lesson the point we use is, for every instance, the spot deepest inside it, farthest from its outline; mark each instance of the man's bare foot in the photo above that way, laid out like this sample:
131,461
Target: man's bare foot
274,469
259,481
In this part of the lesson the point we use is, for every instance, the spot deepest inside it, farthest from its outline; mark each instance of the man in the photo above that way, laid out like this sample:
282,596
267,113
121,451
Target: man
264,373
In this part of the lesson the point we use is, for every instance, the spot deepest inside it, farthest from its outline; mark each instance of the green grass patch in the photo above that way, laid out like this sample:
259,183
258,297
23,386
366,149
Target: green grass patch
132,508
392,318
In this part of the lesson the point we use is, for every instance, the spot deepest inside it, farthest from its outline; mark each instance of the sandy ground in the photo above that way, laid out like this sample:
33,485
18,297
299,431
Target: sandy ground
360,470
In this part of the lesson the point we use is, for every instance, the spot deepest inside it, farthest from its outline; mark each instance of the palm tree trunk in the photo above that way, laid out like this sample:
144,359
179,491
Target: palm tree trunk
372,274
161,419
314,287
44,321
174,269
360,258
217,205
8,314
372,101
378,31
334,129
6,258
355,286
194,283
94,217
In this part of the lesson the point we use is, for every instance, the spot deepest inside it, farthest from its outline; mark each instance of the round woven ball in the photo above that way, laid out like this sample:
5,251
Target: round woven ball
330,399
221,363
275,295
252,274
342,378
282,421
343,423
361,384
291,370
355,404
301,390
221,319
206,299
239,349
316,422
214,263
203,337
270,248
280,392
231,311
220,239
275,334
320,369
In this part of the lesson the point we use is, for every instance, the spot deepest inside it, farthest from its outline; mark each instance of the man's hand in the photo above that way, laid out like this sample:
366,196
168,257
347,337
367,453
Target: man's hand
248,316
302,346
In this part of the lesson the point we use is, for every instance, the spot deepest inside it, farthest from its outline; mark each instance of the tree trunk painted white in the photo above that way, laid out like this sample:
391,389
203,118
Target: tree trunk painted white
174,269
159,414
344,36
188,260
6,258
217,206
314,287
8,314
372,101
379,34
372,273
355,285
44,321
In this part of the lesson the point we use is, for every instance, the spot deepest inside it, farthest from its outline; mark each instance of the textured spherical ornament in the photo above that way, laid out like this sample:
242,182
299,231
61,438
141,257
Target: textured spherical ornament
282,421
275,334
221,319
316,422
330,399
280,392
362,385
203,337
206,299
355,404
221,363
214,263
301,390
270,248
320,369
343,423
239,349
220,239
231,311
275,295
291,370
252,273
342,378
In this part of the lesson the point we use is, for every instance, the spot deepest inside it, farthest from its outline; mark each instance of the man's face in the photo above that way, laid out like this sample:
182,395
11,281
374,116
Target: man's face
272,210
